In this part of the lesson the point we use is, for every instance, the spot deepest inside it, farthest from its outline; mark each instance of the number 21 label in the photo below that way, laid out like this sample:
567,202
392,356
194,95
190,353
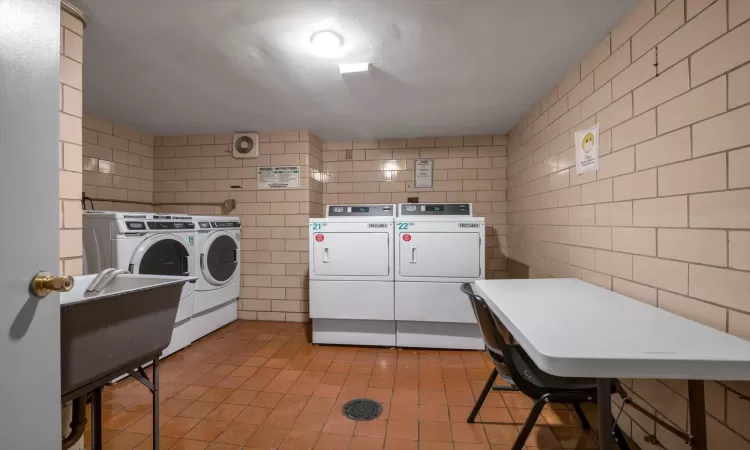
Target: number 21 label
316,226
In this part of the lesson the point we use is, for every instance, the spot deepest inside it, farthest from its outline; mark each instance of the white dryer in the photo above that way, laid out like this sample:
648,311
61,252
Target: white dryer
438,247
145,243
217,259
351,275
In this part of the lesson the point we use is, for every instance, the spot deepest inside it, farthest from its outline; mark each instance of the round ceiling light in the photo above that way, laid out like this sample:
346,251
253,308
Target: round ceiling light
327,43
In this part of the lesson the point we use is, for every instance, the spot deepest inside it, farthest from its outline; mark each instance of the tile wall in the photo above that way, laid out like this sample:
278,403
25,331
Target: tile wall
666,219
466,169
71,112
201,169
118,166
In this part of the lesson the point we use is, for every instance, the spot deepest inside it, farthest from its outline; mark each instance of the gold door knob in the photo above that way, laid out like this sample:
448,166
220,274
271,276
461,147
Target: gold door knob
44,283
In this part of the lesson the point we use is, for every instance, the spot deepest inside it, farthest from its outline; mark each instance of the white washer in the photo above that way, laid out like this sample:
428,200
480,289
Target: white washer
438,247
217,262
145,243
351,275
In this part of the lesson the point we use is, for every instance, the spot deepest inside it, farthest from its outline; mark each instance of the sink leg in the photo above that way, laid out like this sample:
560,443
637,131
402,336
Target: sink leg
155,380
96,419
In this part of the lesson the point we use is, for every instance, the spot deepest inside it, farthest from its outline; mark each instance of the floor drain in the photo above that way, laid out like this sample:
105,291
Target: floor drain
362,409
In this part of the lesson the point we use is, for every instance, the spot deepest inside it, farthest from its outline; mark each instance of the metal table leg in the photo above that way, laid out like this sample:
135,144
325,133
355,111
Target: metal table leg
96,419
604,404
697,406
155,404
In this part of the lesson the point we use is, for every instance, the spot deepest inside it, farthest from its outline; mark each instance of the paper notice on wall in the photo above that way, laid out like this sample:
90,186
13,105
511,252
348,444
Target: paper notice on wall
278,177
587,149
423,173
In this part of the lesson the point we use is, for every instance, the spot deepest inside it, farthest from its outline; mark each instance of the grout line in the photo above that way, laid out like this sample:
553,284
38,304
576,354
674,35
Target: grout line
689,55
727,15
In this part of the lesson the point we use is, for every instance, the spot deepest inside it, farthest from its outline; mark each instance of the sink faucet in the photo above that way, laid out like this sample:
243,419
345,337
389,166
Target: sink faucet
104,278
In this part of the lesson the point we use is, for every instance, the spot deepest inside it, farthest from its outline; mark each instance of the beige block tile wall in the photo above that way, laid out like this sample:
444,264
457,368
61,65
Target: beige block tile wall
469,169
71,106
317,177
666,218
201,169
118,166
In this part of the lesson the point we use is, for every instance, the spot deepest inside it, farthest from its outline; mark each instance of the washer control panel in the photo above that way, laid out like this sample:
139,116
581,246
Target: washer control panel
225,224
434,209
169,225
360,211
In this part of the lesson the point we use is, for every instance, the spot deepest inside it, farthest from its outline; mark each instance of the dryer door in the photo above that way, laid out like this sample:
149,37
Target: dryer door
351,254
163,254
219,259
449,255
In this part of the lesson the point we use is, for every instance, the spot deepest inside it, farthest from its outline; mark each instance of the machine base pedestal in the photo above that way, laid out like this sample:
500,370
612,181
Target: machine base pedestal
209,321
182,336
354,332
463,336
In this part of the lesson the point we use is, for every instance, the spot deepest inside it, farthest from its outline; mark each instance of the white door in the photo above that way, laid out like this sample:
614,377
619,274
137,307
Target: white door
351,254
450,255
29,242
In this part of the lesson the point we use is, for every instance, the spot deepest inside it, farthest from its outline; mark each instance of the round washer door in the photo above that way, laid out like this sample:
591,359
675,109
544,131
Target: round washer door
163,254
218,259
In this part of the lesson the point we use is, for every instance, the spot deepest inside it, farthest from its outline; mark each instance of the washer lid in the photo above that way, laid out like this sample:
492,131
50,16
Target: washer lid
219,258
164,254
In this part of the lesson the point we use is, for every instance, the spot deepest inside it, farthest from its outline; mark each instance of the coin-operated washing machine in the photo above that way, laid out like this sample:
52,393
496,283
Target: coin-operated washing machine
145,243
351,275
438,247
217,263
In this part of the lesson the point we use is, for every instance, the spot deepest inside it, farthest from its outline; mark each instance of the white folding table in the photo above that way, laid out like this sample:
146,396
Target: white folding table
571,328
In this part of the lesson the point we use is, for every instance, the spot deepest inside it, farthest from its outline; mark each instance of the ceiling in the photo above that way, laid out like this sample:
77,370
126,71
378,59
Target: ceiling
440,67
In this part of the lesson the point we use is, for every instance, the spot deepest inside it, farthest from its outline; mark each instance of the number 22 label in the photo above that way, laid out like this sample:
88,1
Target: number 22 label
403,226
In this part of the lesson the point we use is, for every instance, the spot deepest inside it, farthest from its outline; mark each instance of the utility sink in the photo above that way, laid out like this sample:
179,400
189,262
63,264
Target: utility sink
121,284
108,333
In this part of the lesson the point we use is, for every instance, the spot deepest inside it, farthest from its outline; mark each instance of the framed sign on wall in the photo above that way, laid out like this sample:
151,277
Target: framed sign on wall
423,173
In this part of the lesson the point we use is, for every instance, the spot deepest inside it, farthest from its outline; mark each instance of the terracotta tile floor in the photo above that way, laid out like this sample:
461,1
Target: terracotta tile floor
262,385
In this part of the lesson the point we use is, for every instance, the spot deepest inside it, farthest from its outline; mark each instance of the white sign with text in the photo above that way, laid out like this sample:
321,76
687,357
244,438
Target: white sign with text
278,177
423,173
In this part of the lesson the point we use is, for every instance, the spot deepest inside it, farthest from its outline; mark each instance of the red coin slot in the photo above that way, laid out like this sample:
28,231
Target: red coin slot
407,237
319,237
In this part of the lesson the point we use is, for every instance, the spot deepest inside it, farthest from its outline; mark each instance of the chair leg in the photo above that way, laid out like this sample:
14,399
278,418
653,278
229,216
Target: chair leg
529,424
582,417
620,436
486,390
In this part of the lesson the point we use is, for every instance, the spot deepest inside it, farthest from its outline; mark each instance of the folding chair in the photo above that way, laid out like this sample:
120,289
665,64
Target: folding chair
543,388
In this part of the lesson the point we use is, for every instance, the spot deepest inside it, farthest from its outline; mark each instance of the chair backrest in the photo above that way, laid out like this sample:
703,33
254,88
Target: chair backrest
492,333
518,366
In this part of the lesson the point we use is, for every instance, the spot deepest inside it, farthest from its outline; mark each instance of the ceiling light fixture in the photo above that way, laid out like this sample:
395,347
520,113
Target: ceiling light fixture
354,68
326,43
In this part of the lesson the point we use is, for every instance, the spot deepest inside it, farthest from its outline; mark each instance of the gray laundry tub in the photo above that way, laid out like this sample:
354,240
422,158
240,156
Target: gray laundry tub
106,334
